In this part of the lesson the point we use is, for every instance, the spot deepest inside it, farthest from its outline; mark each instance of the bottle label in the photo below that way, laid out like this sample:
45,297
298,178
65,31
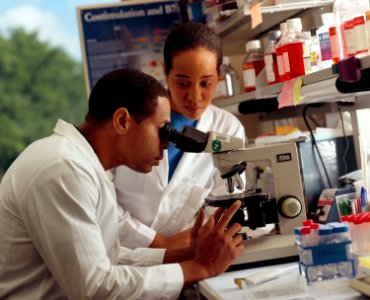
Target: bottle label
349,38
307,57
368,27
361,35
334,44
314,59
254,75
286,61
280,63
249,76
269,64
324,40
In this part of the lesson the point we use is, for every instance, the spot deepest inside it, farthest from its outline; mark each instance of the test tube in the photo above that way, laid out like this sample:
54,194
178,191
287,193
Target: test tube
360,235
367,232
306,255
326,237
350,220
315,233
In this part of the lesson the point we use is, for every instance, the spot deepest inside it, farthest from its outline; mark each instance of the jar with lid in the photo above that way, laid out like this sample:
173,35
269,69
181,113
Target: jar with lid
228,80
254,73
272,73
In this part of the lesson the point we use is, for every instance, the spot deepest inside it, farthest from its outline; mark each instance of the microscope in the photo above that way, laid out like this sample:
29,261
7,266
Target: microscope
272,196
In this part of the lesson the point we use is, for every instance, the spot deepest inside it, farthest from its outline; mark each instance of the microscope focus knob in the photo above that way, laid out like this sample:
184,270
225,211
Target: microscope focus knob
289,206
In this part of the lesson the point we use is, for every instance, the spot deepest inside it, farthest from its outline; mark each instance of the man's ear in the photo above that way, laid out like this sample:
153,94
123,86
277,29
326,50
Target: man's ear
121,120
164,72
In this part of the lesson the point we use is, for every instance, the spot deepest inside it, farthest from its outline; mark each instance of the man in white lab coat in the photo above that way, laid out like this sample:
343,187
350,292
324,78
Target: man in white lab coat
58,212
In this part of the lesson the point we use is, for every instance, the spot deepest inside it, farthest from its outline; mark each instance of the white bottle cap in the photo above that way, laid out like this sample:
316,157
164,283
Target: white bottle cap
226,60
253,44
283,27
327,18
295,24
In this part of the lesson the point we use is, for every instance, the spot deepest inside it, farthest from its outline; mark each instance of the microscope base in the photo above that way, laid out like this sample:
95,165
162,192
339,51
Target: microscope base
267,247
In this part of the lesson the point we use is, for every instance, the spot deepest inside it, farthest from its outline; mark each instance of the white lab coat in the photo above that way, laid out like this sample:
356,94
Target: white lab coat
152,204
59,230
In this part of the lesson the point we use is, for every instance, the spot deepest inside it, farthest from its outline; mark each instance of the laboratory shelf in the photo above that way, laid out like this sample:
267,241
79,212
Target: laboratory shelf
316,87
236,30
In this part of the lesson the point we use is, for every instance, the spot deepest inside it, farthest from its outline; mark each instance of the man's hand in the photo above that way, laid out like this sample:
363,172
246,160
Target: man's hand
216,245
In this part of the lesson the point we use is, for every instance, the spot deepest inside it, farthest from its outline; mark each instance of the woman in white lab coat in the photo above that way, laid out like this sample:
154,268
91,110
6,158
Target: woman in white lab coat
158,205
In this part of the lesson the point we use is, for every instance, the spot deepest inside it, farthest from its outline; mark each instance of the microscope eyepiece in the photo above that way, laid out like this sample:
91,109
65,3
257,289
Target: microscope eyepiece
189,140
167,133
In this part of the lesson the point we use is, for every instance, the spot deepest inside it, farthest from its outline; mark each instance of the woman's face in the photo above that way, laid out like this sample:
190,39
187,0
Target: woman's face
192,81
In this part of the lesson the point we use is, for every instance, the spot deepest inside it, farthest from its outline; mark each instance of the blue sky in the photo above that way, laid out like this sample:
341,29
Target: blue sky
55,20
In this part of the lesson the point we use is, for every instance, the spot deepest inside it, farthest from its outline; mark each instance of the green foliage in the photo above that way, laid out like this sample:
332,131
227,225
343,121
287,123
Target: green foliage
38,85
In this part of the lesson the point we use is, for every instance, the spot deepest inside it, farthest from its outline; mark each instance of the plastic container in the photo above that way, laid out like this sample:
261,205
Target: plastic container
359,9
350,19
272,73
228,82
279,51
324,40
254,73
296,54
342,10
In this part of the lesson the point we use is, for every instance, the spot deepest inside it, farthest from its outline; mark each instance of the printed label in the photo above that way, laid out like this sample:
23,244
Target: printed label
216,146
284,157
324,40
269,63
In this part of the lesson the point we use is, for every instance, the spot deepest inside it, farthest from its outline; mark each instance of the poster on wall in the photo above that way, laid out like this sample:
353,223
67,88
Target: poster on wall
128,34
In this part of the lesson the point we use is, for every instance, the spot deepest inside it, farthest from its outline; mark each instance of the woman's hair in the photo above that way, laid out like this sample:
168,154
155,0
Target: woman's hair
188,36
136,91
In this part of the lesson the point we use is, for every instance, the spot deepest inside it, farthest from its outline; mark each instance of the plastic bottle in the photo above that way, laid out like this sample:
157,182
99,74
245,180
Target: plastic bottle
295,50
324,40
367,16
254,73
315,53
272,73
342,10
359,9
228,83
279,51
334,42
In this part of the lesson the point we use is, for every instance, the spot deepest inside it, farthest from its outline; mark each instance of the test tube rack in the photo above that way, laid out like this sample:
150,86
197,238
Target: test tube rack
327,255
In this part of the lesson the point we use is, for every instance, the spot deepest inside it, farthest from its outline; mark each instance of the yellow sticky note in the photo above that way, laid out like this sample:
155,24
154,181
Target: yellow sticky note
297,97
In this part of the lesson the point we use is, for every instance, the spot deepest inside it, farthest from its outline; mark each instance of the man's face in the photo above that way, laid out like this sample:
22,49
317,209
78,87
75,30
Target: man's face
146,148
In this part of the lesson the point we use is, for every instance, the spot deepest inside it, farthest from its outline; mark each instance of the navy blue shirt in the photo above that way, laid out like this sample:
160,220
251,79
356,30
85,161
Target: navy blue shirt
174,155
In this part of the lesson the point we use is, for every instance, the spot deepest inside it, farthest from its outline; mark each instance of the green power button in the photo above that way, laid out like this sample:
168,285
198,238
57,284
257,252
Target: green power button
216,146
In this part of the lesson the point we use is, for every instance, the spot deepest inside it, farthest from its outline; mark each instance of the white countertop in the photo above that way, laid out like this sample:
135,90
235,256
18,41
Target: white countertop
290,286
